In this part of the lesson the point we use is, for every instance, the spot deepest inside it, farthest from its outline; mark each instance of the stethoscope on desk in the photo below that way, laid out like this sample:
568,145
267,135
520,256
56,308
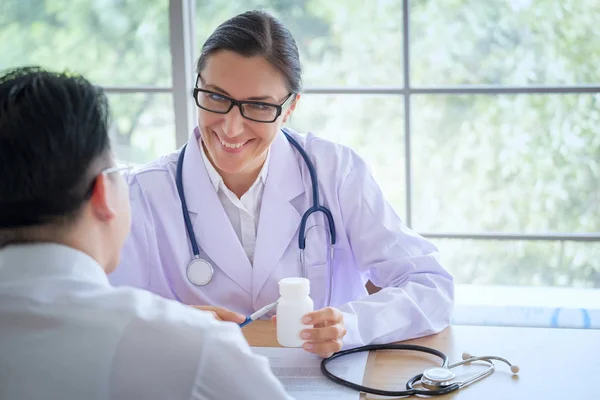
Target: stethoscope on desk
435,381
200,272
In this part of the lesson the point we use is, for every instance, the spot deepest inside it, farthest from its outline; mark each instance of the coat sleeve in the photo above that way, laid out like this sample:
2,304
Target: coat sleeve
417,294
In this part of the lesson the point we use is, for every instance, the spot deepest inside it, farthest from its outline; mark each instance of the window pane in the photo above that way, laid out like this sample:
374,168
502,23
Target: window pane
522,263
111,42
514,163
354,43
514,42
143,126
351,120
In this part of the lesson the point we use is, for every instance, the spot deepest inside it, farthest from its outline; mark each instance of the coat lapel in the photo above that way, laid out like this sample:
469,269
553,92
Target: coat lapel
213,230
279,220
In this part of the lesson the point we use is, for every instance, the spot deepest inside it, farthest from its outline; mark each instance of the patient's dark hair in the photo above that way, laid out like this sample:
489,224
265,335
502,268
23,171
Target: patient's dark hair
53,134
257,33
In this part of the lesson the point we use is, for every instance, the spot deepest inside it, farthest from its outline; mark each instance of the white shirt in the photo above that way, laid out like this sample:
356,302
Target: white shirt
243,213
65,333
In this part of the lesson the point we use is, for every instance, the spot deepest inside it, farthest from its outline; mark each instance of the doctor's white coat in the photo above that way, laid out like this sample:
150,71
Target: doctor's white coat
372,243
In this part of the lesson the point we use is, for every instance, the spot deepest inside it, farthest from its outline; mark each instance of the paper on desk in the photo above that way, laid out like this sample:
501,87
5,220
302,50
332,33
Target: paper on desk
300,373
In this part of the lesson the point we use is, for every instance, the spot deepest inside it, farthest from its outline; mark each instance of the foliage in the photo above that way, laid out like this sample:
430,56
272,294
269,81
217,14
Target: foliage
111,42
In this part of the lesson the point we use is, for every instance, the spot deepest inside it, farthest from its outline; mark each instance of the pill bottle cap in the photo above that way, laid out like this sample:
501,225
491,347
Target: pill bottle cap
294,287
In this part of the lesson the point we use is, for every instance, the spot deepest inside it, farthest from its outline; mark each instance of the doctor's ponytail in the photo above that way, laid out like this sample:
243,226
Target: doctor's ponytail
257,33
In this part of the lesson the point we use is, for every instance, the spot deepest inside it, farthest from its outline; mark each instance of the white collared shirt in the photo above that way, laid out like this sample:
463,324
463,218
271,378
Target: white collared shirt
243,213
65,333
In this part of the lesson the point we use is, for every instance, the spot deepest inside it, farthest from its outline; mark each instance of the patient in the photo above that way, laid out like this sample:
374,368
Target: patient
65,333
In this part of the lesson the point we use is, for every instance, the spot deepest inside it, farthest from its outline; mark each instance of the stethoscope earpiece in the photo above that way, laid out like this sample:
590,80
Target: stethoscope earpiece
470,358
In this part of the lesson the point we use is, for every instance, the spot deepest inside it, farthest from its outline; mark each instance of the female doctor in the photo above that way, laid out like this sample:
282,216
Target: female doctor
244,189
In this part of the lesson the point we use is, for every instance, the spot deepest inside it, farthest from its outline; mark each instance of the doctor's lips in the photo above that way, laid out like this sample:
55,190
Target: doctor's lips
232,147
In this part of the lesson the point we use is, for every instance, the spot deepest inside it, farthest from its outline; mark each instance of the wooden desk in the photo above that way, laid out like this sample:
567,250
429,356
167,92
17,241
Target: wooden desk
555,363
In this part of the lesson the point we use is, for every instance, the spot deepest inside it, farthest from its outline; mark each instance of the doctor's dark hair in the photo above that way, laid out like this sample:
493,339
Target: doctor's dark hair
257,34
53,138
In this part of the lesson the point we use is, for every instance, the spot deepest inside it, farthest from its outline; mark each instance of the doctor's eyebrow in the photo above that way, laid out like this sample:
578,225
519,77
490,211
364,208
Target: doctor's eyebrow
218,89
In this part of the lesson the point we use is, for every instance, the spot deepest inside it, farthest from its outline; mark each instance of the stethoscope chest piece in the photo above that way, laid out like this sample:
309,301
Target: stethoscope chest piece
199,272
437,377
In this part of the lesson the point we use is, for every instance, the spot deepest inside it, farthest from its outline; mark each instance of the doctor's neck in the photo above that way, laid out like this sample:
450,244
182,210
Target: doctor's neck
239,182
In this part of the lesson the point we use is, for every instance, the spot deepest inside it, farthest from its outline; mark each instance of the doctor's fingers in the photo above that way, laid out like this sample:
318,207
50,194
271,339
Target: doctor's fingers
207,310
223,314
323,349
323,317
331,332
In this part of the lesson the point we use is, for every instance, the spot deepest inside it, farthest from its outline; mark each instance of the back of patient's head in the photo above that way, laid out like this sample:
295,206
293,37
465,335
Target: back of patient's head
53,142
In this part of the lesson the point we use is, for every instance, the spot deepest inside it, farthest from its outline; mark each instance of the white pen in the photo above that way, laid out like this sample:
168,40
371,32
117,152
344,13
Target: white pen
256,315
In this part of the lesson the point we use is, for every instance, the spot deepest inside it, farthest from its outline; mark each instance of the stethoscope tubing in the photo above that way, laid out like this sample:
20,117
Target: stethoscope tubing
316,207
440,387
186,215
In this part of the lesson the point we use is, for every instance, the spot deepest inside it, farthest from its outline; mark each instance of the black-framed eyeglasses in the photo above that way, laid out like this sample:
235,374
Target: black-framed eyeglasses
257,111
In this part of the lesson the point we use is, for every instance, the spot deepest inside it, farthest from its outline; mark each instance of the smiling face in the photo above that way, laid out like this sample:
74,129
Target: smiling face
236,145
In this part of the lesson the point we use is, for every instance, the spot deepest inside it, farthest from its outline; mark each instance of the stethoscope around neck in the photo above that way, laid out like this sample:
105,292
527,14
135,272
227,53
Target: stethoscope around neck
200,271
434,381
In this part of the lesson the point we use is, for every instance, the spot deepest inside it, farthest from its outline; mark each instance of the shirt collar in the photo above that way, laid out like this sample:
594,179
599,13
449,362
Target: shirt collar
39,260
217,180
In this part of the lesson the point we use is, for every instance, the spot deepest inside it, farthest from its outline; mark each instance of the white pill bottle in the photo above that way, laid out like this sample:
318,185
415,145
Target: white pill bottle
291,307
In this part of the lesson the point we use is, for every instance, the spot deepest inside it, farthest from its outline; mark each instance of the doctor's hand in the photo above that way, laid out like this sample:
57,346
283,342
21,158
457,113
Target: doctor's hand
223,314
325,337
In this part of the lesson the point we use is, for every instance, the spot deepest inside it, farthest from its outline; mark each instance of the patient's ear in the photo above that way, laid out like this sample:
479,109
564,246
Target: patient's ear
103,198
